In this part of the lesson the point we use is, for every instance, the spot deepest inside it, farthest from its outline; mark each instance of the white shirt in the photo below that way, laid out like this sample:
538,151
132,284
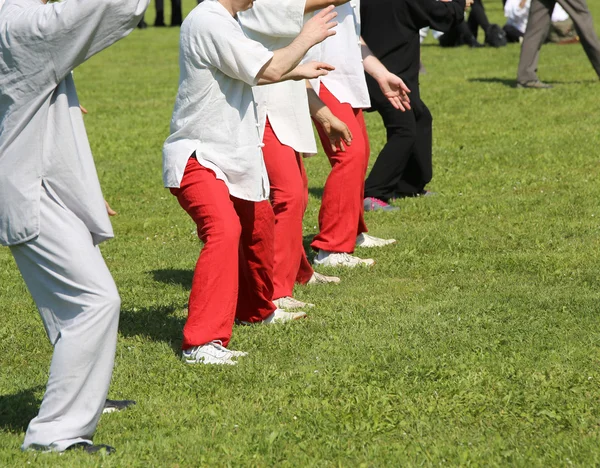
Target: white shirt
347,82
517,16
214,113
42,136
275,24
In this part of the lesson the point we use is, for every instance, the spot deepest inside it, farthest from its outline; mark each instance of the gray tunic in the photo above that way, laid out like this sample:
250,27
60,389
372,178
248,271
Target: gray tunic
42,136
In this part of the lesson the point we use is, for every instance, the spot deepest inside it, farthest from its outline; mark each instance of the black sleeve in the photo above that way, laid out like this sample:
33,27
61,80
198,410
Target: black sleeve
441,16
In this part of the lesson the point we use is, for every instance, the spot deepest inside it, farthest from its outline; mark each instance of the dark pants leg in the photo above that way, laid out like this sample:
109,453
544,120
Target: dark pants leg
419,169
404,164
477,18
584,25
176,14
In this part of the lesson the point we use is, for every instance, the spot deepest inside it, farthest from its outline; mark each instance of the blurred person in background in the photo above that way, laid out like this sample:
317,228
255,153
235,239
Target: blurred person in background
538,24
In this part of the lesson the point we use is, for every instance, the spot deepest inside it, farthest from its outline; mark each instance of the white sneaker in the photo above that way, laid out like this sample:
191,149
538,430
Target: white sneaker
365,240
281,316
211,353
318,278
340,259
288,302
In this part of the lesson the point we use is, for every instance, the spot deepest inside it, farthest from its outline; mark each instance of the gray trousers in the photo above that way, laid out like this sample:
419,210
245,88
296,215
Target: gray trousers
79,306
537,30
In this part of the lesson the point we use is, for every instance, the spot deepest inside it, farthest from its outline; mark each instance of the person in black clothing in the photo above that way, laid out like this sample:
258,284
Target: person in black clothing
391,30
176,14
466,33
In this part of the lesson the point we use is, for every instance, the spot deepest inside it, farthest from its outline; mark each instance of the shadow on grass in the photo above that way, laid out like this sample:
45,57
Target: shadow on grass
511,83
157,323
180,277
18,409
316,192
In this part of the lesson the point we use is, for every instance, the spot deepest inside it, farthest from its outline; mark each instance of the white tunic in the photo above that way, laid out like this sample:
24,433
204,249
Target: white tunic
275,24
347,82
42,136
214,113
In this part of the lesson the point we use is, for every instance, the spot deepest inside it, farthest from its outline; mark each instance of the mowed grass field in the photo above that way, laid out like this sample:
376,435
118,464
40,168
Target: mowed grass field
474,341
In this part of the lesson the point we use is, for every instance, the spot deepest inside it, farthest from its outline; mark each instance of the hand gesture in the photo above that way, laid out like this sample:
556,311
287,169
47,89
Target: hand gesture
395,90
320,26
337,132
311,70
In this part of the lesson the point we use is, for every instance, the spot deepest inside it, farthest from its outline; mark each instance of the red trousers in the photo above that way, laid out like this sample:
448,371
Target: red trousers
234,273
289,198
341,216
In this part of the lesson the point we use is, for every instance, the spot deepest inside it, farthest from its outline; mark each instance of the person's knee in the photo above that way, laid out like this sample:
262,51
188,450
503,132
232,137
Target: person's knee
224,230
290,199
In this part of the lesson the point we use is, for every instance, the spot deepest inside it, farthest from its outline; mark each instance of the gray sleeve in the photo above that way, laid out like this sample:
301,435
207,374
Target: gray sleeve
72,31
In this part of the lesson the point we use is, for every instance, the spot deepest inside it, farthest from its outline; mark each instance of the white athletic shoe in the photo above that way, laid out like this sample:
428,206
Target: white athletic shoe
340,259
318,278
211,353
281,316
288,302
365,240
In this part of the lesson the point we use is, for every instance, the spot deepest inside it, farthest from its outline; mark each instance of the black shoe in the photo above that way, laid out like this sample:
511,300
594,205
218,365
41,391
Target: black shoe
475,45
92,448
111,406
142,24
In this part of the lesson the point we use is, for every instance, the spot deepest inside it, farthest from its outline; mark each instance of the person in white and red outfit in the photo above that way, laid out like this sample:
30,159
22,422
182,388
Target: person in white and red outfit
217,172
344,92
287,135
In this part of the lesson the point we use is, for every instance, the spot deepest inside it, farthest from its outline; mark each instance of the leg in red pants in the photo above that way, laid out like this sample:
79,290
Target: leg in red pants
341,216
289,197
226,226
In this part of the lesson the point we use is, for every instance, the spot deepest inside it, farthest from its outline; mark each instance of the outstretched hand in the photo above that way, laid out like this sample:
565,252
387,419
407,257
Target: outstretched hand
395,90
311,70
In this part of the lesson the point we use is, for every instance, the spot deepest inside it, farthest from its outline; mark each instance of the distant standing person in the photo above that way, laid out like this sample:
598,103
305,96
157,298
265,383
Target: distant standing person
52,213
540,15
176,14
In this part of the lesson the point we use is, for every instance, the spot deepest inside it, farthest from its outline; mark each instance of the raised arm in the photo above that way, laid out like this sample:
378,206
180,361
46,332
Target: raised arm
73,30
391,85
284,65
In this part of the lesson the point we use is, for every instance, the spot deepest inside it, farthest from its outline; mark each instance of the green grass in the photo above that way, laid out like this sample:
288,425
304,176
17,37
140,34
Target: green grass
473,341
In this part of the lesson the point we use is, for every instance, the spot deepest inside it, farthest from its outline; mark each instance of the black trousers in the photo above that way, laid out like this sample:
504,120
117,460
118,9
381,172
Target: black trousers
403,168
176,13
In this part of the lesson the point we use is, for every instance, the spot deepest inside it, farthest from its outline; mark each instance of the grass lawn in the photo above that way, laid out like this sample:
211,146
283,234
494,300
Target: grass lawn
473,341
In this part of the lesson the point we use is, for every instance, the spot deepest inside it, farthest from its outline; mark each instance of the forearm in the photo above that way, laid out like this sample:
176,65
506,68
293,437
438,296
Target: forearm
371,64
317,108
284,61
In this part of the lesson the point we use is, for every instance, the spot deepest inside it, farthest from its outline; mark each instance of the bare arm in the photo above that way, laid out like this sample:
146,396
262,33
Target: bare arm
391,85
284,65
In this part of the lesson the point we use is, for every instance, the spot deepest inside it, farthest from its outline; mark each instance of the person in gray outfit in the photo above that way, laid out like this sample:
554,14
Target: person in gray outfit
52,212
540,15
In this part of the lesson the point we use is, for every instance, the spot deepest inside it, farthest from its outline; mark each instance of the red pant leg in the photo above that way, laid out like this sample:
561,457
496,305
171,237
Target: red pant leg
341,214
213,298
256,256
289,197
